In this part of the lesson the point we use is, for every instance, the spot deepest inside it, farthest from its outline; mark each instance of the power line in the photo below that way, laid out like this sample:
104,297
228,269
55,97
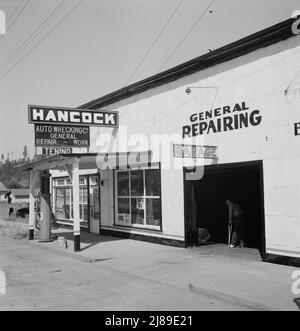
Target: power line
34,34
16,17
154,42
45,36
186,36
178,46
13,13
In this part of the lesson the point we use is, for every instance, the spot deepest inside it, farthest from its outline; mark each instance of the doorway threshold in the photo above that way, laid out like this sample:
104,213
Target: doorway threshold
246,253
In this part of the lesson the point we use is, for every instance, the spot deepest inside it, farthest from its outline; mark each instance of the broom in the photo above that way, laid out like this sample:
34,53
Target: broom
229,233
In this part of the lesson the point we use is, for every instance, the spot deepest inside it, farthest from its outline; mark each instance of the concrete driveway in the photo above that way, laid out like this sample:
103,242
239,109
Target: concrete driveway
119,274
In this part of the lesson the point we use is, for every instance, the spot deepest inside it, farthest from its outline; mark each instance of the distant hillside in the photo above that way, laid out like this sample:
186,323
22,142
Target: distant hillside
13,177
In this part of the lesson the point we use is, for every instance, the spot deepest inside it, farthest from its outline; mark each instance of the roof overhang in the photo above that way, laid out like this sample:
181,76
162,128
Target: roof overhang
88,160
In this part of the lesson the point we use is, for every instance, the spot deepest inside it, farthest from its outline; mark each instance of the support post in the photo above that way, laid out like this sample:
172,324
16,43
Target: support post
76,214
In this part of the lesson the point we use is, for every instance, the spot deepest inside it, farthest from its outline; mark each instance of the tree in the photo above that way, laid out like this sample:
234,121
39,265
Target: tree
13,183
25,153
13,177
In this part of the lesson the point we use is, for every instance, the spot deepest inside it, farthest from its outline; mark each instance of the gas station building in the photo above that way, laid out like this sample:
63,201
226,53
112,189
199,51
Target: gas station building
228,123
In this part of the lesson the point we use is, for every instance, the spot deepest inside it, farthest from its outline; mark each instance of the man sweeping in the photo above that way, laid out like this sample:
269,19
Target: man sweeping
236,224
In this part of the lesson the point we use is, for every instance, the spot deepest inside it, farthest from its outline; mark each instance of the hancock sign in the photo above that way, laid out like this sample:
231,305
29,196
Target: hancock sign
59,115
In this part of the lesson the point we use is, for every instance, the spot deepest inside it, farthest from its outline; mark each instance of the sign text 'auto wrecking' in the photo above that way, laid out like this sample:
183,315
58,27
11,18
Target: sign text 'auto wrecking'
62,135
74,116
222,119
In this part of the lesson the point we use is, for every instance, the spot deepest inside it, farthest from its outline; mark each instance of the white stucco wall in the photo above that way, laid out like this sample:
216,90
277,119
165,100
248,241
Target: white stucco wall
259,79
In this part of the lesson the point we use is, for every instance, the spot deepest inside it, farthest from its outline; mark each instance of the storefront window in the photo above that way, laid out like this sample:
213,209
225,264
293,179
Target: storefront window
123,183
138,198
123,211
137,183
152,182
59,203
153,211
137,211
63,203
60,182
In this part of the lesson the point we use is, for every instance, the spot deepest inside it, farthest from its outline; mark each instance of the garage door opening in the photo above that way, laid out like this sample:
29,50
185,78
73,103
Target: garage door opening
241,182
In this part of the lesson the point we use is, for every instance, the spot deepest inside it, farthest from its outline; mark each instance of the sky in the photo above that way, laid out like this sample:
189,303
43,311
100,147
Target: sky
95,49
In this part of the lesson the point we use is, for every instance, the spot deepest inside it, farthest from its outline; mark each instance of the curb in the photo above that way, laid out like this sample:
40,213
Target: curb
231,299
73,255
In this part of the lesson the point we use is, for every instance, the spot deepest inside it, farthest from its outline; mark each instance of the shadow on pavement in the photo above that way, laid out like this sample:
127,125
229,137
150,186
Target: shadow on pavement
87,239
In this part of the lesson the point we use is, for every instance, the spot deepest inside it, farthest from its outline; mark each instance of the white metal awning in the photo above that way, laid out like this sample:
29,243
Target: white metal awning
88,160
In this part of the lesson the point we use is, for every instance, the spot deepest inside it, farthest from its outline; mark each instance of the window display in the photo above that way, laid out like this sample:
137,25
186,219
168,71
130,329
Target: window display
138,198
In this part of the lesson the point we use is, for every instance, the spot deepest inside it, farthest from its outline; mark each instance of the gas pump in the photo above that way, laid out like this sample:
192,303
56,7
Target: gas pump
45,208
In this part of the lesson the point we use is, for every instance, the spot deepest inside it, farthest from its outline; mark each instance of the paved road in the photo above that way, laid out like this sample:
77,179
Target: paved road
40,279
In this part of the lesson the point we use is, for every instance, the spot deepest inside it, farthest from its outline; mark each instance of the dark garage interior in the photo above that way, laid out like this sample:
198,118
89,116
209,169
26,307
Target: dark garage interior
239,182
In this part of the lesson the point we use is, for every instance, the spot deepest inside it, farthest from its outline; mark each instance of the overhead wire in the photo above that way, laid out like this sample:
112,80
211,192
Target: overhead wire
43,38
154,42
186,35
180,43
14,11
16,17
33,35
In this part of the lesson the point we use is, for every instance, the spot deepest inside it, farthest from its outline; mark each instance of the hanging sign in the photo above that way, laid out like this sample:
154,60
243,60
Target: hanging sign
73,116
61,135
